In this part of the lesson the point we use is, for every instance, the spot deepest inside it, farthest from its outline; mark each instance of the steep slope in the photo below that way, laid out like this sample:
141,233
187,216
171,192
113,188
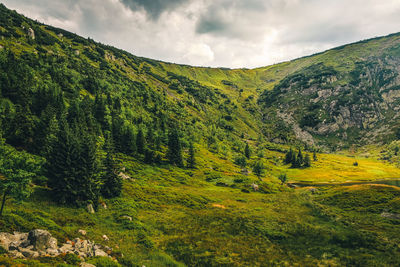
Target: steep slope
342,97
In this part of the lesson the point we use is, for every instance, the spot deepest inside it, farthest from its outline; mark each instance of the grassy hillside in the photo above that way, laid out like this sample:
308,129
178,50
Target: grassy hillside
58,88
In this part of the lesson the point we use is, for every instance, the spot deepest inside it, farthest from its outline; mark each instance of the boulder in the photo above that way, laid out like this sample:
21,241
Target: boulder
5,240
101,253
52,252
31,33
82,232
105,238
29,253
90,208
126,217
65,248
254,186
41,239
15,254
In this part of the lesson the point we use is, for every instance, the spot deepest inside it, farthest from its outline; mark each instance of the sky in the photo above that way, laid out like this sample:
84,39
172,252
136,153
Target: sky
219,33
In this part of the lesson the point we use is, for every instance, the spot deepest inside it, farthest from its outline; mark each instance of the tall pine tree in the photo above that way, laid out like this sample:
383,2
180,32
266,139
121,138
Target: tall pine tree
191,162
112,182
174,148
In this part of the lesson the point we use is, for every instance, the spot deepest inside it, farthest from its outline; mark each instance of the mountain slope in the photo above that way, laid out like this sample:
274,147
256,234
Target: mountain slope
59,88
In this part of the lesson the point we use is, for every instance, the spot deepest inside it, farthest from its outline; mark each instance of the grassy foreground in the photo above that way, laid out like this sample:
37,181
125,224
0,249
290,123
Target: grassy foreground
211,217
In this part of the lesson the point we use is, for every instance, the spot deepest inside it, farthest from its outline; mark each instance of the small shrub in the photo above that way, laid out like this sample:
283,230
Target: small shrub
103,262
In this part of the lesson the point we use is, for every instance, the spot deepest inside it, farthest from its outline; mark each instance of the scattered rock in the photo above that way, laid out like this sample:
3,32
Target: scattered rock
65,248
105,238
90,208
38,243
313,190
76,52
101,253
15,254
28,253
129,218
82,232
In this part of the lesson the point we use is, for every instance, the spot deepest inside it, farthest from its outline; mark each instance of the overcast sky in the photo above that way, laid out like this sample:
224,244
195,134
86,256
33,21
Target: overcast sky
219,33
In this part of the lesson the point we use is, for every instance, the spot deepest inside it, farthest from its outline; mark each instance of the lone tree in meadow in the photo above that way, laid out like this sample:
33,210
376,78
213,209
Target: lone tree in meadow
259,169
17,168
283,178
315,156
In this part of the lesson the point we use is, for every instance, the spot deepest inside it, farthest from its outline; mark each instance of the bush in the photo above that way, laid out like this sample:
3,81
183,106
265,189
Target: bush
103,262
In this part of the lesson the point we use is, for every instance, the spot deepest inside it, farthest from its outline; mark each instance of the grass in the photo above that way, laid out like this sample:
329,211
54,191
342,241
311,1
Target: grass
339,168
182,219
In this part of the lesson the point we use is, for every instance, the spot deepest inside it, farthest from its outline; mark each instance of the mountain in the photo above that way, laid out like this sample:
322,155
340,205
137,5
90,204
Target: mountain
173,165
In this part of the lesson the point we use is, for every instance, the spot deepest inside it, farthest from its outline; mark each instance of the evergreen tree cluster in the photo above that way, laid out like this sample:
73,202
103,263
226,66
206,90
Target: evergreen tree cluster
297,160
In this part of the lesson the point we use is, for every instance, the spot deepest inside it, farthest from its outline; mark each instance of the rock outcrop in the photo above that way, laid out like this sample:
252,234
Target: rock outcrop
41,243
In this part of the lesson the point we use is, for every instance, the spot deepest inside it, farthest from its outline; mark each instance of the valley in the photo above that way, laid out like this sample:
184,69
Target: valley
192,166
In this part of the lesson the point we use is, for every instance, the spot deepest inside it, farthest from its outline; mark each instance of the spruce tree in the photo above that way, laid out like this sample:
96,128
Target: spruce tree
191,162
307,161
140,141
174,148
72,167
62,165
300,158
288,156
90,172
148,156
112,182
247,151
315,156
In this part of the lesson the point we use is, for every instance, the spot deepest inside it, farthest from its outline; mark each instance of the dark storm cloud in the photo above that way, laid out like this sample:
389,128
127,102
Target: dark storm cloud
154,8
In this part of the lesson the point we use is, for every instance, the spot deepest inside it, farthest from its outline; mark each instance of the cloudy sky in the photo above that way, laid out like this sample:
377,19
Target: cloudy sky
227,33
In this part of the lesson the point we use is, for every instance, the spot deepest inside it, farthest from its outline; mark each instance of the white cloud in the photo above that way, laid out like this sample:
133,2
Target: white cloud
234,33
